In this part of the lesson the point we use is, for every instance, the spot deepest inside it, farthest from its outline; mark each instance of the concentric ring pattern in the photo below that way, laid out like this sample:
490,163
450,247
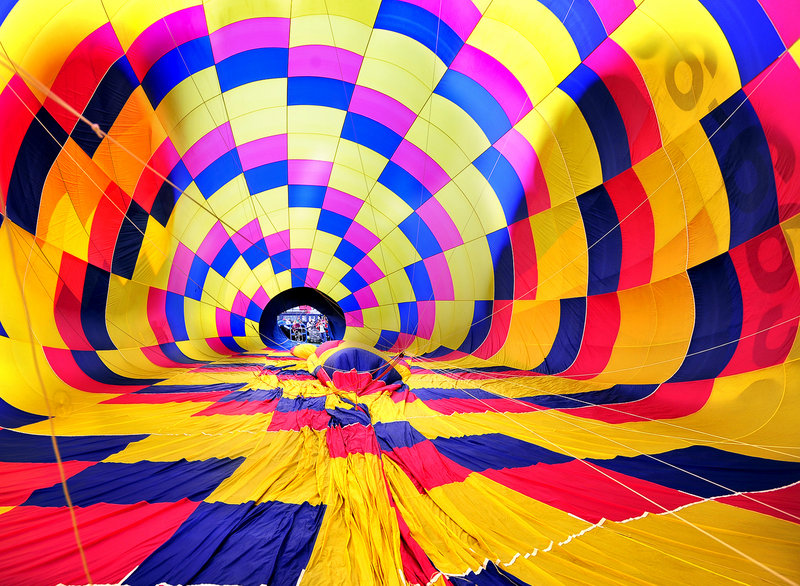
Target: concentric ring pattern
579,220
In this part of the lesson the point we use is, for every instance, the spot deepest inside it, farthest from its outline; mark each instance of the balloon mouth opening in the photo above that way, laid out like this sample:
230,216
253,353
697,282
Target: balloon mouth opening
278,334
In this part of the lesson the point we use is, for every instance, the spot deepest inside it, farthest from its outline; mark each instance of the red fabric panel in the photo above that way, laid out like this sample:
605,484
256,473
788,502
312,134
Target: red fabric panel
108,217
770,296
637,229
156,355
115,538
526,273
352,439
81,73
296,420
67,302
563,486
162,161
64,366
786,502
625,84
426,467
669,401
21,479
240,407
501,321
18,105
599,335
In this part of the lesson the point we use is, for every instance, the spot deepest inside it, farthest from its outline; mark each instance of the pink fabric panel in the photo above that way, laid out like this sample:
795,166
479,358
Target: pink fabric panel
253,33
341,203
164,35
212,243
613,12
441,280
248,235
240,304
426,318
324,61
300,258
261,298
263,151
365,298
404,340
179,271
459,15
519,152
440,223
417,162
156,315
499,81
785,18
361,237
217,346
277,242
307,172
223,322
381,108
313,277
367,268
208,149
354,319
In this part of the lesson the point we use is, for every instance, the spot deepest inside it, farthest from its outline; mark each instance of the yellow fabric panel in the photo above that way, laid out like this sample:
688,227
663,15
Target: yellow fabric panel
534,325
656,324
155,256
362,167
363,12
191,109
64,229
220,13
393,80
275,202
169,448
282,466
414,58
400,286
334,271
444,151
469,282
574,141
453,138
545,33
344,32
561,256
125,309
254,97
791,231
459,208
703,191
396,247
130,19
684,59
484,202
259,123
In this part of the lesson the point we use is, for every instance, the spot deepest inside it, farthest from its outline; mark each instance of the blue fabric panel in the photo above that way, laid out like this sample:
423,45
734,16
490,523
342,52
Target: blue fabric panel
176,319
397,434
387,339
91,364
744,159
5,8
237,325
197,278
38,449
252,65
129,241
505,182
404,185
254,311
93,308
36,155
568,339
481,323
476,101
420,235
343,417
420,281
299,277
256,254
602,115
349,253
610,396
374,135
287,405
409,316
267,176
281,261
422,26
495,451
230,343
490,576
211,388
434,394
581,21
126,484
109,98
499,243
353,281
717,319
274,539
175,66
218,173
349,303
174,353
333,223
225,258
10,416
604,239
753,39
319,91
167,195
736,472
252,395
306,196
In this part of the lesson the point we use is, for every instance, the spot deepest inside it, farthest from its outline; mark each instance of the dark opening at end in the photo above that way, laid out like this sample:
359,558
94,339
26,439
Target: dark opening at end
273,324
